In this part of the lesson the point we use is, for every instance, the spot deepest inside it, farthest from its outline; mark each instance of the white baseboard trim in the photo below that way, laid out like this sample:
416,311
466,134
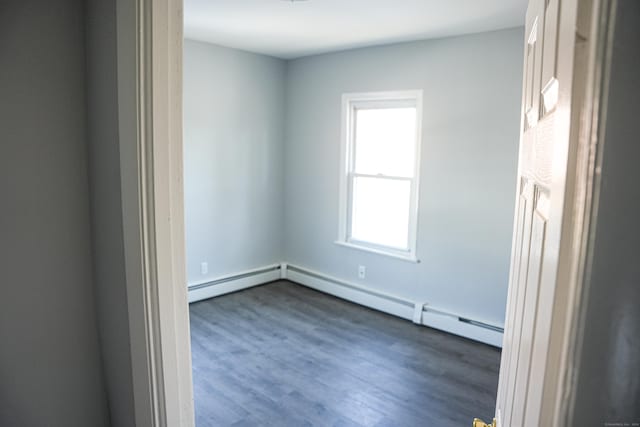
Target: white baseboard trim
397,306
418,312
235,282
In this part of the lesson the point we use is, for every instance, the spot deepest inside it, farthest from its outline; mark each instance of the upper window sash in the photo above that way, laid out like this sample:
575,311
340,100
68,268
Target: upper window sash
383,137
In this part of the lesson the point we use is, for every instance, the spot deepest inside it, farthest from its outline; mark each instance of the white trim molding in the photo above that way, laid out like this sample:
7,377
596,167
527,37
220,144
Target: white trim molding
419,312
149,58
408,258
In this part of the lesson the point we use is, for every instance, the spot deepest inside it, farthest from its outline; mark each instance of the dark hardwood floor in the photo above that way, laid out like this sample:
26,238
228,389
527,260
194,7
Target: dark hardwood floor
284,355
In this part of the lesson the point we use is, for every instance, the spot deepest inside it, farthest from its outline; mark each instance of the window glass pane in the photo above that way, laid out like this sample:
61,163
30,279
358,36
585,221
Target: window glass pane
380,211
385,141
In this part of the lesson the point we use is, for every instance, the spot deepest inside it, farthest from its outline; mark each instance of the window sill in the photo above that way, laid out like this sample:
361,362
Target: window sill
408,258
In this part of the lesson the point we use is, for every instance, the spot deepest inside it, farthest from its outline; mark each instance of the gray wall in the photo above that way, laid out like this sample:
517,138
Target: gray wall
608,379
50,371
106,209
472,87
233,144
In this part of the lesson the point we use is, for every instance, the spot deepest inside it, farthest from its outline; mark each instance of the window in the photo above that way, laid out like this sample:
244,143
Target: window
379,182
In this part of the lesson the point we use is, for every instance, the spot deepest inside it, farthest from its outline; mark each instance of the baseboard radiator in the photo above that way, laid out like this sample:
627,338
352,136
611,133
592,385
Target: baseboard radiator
235,282
420,313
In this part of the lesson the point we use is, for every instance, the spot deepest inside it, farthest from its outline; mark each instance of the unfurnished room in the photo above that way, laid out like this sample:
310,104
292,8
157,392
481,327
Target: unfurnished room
350,175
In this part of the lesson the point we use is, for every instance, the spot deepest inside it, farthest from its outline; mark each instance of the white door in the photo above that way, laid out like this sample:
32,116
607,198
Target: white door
542,177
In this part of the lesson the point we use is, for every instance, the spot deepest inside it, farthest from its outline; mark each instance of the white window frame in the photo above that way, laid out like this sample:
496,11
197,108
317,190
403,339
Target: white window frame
350,102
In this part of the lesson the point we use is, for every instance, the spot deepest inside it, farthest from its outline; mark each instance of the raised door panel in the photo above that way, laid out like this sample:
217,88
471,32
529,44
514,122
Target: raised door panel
541,165
516,262
519,271
549,83
533,62
533,207
529,70
531,288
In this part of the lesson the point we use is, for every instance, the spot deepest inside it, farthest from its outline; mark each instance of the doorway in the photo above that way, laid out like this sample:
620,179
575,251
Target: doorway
337,284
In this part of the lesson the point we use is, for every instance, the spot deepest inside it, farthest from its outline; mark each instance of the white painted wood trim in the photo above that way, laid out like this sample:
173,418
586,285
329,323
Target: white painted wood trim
168,151
388,253
392,304
130,139
590,138
149,43
345,130
230,283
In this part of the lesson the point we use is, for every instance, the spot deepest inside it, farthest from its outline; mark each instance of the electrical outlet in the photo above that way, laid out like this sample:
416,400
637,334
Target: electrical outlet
362,271
204,267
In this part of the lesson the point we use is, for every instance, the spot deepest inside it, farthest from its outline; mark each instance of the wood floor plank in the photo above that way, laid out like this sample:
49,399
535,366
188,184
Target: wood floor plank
285,355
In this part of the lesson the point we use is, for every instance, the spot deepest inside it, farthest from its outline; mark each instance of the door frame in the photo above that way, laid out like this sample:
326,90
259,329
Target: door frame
149,55
587,130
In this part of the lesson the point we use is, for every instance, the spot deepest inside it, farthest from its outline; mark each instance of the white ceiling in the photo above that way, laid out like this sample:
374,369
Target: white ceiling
288,29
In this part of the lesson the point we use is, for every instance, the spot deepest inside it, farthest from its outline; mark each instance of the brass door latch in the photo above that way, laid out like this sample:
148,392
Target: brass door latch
479,423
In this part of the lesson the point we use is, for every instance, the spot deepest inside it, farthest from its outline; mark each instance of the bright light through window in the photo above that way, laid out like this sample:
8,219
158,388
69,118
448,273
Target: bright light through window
380,212
380,152
385,141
